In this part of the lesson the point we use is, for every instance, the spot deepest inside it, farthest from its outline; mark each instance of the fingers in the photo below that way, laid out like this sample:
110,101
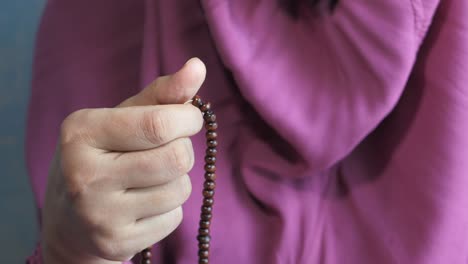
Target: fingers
157,200
124,170
126,241
131,128
172,89
156,228
152,167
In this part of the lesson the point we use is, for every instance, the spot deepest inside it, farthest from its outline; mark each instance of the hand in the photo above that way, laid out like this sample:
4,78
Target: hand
119,176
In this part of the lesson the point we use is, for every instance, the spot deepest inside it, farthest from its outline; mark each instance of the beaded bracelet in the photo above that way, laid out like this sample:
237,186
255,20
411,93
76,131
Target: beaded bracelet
209,185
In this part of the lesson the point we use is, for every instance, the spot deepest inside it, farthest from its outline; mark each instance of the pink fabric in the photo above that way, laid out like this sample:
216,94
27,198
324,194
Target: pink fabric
36,257
344,137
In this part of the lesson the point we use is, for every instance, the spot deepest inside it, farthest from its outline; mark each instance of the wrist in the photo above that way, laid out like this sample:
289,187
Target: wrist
53,254
58,253
55,251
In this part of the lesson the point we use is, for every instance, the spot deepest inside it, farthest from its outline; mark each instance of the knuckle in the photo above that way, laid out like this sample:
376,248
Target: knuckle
198,120
153,127
113,244
68,127
78,175
185,188
75,186
190,153
72,128
94,219
177,216
110,249
181,158
170,221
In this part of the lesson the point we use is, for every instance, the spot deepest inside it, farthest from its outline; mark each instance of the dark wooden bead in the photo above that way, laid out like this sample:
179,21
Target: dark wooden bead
211,151
211,135
211,126
203,239
203,231
146,254
204,246
210,176
203,253
208,112
209,116
206,217
210,168
210,159
209,185
197,101
205,224
207,209
212,143
208,193
208,201
205,107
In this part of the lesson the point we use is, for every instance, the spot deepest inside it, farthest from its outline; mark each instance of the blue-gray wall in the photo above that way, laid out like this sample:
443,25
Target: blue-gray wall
18,24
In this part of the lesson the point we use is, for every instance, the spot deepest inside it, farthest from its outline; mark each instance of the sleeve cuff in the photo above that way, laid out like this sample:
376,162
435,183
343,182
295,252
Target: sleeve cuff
36,257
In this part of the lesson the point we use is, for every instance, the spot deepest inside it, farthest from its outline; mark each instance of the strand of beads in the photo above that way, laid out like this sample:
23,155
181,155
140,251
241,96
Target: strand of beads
146,256
209,185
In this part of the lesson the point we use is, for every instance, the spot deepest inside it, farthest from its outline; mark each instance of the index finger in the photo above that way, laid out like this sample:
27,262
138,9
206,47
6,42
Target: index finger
132,128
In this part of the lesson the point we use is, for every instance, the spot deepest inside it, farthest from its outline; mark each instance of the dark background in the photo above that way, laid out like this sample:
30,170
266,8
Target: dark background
18,228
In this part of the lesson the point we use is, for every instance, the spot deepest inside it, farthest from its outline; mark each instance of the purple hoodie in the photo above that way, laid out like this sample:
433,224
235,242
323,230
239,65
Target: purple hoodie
343,138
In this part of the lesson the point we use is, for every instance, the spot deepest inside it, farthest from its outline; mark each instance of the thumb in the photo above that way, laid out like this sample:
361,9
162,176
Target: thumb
171,89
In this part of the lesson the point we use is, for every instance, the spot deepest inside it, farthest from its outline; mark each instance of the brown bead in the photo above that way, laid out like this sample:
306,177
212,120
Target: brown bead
211,126
146,261
212,143
205,224
203,253
207,209
211,152
204,246
203,231
209,176
210,159
203,261
209,185
211,135
197,101
208,193
210,168
205,107
146,254
206,217
208,201
209,116
203,239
